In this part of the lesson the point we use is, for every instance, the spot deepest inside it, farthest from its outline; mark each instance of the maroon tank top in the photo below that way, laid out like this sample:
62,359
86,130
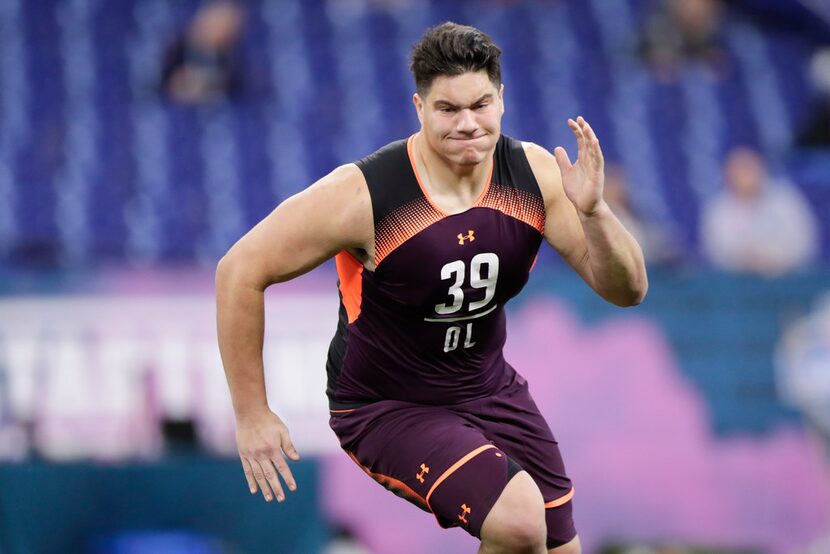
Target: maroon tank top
428,324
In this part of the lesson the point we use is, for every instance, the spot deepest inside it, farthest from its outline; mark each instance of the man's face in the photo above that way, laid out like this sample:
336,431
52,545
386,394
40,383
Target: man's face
461,116
745,173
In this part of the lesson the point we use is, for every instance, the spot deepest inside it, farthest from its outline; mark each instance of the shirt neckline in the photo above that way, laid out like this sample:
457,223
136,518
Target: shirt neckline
478,201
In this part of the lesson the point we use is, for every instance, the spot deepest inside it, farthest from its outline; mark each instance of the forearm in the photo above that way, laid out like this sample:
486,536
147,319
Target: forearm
615,261
240,321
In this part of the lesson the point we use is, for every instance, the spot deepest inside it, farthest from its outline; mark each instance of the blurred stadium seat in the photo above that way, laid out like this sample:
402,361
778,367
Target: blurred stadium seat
105,171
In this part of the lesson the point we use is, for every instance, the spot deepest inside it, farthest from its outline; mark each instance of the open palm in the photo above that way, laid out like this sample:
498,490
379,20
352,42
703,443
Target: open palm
583,181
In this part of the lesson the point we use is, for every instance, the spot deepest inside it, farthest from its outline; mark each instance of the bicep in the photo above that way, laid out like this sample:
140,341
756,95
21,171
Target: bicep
564,233
563,230
307,229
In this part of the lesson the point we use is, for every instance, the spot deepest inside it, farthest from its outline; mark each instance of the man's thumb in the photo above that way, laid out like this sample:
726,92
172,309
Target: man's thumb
562,158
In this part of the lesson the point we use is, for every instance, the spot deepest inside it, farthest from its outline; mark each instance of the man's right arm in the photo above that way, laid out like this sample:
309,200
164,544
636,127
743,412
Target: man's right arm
307,229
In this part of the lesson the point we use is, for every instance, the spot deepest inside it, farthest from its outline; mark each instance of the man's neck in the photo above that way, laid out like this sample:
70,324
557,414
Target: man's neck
453,187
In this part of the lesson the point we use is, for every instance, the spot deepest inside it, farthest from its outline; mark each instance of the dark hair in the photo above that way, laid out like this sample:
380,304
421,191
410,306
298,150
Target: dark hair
452,49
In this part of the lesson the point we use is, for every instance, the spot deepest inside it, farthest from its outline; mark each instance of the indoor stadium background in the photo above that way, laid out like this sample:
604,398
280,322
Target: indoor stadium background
696,422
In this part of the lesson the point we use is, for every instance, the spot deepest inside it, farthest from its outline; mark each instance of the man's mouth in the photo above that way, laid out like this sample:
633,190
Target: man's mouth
467,138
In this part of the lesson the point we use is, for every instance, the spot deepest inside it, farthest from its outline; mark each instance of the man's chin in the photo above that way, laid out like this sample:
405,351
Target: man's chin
467,161
470,157
467,156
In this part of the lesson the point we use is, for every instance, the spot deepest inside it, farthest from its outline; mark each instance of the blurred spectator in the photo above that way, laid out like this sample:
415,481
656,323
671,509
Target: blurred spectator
803,367
201,65
659,244
816,132
679,31
757,224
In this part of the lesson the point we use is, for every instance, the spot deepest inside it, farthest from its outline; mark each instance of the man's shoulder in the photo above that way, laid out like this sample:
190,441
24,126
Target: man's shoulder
389,163
537,159
394,151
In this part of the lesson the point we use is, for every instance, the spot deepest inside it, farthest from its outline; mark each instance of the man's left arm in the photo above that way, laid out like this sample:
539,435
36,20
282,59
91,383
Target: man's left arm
581,226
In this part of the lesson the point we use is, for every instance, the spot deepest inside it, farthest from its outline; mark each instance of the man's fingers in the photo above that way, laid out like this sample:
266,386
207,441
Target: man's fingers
590,135
586,128
591,140
577,131
249,475
562,159
283,469
264,449
272,478
266,478
288,446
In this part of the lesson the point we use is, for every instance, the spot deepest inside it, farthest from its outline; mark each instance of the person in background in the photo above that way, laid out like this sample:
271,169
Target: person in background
757,224
683,31
201,66
658,242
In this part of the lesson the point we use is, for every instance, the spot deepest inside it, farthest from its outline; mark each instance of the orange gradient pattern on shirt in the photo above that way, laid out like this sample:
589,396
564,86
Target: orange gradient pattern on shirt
403,224
413,217
516,203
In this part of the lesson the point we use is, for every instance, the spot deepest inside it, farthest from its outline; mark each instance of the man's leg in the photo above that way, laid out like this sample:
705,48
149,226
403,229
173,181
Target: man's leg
514,424
516,523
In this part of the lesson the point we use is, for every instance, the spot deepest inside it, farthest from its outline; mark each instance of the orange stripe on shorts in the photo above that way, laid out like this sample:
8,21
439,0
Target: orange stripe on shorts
453,468
393,484
561,500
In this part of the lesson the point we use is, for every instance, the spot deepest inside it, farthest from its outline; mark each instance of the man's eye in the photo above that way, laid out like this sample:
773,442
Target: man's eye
446,110
480,106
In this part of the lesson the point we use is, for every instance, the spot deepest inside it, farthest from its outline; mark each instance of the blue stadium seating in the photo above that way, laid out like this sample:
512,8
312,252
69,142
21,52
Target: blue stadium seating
104,170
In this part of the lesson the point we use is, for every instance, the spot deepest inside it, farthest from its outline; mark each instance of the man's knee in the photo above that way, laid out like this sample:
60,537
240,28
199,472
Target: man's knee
516,523
523,535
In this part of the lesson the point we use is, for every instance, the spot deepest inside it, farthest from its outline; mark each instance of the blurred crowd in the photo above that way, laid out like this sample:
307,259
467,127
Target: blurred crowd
758,222
202,64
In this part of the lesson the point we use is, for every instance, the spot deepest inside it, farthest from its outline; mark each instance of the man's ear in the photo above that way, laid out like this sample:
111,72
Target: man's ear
419,107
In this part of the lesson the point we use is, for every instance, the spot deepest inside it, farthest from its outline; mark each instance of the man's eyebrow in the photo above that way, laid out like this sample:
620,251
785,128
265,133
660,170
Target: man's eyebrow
449,104
445,103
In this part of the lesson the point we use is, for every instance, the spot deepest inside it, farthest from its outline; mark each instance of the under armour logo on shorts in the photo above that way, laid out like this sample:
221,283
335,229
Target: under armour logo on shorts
464,511
420,476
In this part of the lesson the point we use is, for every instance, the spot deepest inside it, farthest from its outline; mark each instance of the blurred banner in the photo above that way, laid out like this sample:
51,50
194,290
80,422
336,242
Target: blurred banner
100,376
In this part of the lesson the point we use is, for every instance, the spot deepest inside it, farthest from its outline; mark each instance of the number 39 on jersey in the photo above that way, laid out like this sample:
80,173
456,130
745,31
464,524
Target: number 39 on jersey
484,273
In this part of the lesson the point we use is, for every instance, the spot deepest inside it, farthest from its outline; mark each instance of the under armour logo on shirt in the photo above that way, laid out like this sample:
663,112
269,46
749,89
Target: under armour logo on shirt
470,235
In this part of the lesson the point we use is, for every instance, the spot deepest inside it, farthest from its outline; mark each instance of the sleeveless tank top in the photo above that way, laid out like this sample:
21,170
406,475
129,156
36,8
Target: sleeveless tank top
428,325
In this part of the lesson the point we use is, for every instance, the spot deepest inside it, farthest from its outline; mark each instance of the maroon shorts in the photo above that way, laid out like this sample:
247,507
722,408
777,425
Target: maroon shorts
454,461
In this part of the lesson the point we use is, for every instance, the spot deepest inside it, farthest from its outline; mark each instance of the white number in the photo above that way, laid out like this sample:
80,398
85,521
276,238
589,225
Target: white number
457,268
455,291
454,334
488,284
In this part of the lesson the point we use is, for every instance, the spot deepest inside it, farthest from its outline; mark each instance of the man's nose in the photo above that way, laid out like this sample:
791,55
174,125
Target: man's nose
466,122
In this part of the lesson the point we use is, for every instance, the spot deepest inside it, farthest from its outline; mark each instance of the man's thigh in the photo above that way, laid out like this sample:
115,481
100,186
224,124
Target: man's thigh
512,421
429,455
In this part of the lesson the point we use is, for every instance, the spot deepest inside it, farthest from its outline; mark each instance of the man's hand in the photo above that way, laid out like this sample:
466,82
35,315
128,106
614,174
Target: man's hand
584,180
262,440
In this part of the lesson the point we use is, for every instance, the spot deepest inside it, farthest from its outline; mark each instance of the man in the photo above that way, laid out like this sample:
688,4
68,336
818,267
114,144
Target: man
757,224
432,236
